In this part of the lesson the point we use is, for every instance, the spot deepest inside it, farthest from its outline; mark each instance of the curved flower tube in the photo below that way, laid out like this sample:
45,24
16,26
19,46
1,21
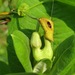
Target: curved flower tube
38,53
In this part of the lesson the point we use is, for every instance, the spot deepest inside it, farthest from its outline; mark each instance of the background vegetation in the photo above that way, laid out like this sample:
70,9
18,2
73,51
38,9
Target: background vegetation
12,61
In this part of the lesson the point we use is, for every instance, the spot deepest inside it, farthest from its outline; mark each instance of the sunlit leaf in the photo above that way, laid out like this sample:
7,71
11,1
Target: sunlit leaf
21,45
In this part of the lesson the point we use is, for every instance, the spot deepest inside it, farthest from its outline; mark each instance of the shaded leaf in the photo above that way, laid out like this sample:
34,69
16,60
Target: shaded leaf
70,2
22,74
66,60
4,68
15,65
64,24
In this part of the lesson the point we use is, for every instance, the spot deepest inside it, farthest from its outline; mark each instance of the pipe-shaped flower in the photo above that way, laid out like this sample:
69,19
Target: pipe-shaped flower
48,28
38,53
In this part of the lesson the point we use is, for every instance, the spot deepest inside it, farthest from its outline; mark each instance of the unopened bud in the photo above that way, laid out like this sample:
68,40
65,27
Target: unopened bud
35,40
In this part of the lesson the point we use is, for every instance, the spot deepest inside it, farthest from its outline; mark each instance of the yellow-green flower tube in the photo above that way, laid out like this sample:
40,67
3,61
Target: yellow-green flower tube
38,53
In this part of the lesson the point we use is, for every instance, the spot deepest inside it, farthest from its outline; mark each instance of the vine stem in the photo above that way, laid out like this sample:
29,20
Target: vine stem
52,8
37,27
39,3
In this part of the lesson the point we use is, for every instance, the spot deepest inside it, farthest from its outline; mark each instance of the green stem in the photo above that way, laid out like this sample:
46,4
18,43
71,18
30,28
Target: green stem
38,4
37,27
32,6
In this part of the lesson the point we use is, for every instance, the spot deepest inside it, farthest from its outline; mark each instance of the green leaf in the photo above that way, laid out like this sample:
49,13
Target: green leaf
42,66
72,70
12,57
63,44
13,24
22,74
67,58
26,22
70,2
4,68
21,45
0,2
64,28
12,4
63,21
3,54
4,6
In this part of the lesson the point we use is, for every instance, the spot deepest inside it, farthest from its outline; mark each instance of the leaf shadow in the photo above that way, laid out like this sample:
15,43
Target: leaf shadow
4,68
15,65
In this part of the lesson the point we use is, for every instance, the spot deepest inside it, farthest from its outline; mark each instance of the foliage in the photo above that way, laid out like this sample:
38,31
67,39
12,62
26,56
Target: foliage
20,29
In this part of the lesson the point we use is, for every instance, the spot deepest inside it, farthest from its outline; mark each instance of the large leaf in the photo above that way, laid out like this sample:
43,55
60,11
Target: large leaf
21,44
63,18
66,60
13,24
72,70
26,22
15,65
64,46
68,2
63,21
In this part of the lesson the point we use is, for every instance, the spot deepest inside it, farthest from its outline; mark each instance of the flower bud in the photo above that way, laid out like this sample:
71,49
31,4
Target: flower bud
23,9
35,40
